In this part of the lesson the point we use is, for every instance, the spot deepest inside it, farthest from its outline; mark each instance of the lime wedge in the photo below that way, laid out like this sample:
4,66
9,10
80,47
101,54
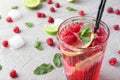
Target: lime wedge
71,0
51,29
31,3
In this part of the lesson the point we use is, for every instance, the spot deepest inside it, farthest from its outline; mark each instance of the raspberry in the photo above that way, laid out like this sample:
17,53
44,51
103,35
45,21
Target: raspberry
49,1
52,9
43,15
110,10
5,43
117,11
38,14
100,31
81,13
118,51
69,38
13,74
50,19
112,61
16,29
49,41
9,19
75,27
100,39
57,5
116,27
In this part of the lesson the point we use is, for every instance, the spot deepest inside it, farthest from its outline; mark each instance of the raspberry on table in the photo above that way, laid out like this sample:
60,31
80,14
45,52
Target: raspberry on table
13,74
112,61
5,43
110,10
52,9
50,19
50,42
49,1
57,5
16,29
81,12
9,19
116,27
117,11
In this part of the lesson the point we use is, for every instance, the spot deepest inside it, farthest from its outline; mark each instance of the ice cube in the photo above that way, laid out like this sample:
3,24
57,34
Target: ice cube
16,42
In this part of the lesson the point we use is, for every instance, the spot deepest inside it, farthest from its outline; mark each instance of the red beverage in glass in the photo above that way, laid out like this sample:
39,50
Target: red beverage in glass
82,49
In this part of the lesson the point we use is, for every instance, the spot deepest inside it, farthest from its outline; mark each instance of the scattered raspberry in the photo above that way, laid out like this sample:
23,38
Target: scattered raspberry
13,74
16,29
81,13
112,61
116,27
69,38
38,14
110,10
5,43
52,9
43,15
49,41
118,51
50,19
49,1
117,11
9,19
57,5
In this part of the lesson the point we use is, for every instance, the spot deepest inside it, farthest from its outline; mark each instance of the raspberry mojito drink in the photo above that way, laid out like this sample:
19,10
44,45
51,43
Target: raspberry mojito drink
82,49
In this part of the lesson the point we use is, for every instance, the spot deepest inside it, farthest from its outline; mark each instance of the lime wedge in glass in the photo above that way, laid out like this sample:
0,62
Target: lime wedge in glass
31,3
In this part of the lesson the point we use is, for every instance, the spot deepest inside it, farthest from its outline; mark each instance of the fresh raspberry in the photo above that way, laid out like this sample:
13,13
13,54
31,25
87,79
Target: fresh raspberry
38,14
43,15
49,1
116,27
110,10
57,5
49,41
69,38
100,39
5,43
16,29
117,11
75,27
112,61
9,19
118,51
52,9
81,12
50,19
100,31
13,73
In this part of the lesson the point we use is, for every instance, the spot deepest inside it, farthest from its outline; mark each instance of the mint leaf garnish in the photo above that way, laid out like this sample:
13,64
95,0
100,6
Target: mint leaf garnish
29,24
57,60
15,7
0,67
70,9
42,0
0,17
43,69
37,45
85,32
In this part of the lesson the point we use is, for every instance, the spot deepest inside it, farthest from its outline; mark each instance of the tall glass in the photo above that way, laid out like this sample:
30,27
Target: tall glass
83,63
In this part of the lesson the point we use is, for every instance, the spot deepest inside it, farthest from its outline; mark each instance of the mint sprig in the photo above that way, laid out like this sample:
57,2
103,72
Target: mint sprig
37,45
43,69
14,7
71,9
85,32
29,24
57,60
0,67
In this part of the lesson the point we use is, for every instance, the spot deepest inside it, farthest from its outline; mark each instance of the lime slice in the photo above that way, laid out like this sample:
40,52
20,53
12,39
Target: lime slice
51,29
31,3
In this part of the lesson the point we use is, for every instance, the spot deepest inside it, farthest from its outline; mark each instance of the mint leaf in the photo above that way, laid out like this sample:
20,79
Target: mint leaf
84,33
57,60
42,0
29,24
15,7
0,17
70,9
37,45
0,67
43,69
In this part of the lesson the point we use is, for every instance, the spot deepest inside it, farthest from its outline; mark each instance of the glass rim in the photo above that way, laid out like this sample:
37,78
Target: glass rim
101,22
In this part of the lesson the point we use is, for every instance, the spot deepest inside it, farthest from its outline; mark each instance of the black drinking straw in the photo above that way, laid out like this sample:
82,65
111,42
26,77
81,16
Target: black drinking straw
99,14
